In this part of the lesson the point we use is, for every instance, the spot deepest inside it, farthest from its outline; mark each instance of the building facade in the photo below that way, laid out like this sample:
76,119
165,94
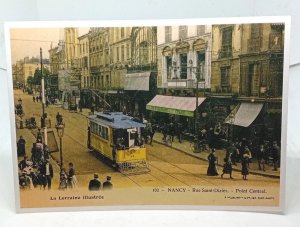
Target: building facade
184,74
247,75
99,58
84,60
141,79
184,53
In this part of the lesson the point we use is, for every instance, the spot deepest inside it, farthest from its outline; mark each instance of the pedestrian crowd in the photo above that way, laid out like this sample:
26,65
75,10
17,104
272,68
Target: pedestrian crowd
36,170
242,152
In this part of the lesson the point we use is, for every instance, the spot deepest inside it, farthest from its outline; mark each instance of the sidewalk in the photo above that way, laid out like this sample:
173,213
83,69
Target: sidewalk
185,147
30,139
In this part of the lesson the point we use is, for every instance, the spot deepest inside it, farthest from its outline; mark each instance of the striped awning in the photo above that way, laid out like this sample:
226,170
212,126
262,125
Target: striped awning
184,106
245,114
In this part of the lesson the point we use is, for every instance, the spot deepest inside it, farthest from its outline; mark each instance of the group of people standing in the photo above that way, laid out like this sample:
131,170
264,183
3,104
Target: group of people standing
240,152
95,184
68,179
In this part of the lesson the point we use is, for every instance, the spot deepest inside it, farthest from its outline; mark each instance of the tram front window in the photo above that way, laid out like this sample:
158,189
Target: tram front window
121,138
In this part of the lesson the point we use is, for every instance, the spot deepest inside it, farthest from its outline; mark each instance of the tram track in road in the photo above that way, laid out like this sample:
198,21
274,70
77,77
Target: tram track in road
168,175
176,166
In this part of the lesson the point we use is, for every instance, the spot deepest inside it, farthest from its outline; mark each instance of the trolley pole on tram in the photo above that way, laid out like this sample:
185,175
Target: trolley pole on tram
43,100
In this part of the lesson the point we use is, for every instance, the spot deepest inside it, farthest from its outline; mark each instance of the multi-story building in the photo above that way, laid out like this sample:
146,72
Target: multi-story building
84,62
71,47
57,57
57,63
184,59
140,81
247,75
120,54
184,53
120,59
18,74
99,58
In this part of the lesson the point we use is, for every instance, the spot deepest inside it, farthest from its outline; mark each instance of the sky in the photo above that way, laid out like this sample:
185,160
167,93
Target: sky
28,41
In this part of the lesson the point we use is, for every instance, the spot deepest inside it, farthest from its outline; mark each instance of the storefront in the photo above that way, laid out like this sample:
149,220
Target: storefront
248,120
139,89
175,109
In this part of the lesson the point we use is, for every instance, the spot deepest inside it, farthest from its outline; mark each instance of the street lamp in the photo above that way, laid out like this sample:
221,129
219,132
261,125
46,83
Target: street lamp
44,115
60,132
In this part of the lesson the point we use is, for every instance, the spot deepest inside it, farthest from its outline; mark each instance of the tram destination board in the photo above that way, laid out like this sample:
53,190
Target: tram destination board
164,114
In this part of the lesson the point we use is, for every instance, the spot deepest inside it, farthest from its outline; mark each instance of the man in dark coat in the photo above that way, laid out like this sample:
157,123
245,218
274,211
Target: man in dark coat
107,185
232,150
152,132
172,131
275,152
22,164
227,167
95,184
21,146
39,137
47,173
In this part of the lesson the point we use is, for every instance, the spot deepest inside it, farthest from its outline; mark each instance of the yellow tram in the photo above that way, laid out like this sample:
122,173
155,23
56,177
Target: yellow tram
117,137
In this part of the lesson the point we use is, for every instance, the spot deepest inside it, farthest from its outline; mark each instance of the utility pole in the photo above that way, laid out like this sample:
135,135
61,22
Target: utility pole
43,100
198,75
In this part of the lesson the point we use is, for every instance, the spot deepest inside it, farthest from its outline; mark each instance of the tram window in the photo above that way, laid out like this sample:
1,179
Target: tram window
105,133
99,130
93,127
133,136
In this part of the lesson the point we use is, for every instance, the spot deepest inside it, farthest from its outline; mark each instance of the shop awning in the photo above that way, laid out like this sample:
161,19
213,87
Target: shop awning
137,81
184,106
245,114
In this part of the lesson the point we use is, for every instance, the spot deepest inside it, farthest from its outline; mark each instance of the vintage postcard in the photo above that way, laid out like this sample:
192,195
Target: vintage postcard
163,114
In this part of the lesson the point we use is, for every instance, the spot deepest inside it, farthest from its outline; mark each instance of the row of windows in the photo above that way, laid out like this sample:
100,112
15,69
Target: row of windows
100,59
98,82
120,53
84,48
254,43
183,31
99,130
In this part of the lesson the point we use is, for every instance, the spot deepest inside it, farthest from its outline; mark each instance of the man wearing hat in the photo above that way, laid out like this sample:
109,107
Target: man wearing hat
95,184
22,164
47,172
107,185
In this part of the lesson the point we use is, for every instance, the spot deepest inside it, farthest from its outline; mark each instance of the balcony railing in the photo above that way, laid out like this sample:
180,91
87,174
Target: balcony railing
182,83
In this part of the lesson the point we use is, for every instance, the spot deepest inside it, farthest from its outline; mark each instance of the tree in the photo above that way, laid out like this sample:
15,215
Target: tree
38,76
30,81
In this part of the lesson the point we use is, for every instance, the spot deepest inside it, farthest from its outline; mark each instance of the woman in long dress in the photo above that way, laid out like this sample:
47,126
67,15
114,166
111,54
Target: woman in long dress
212,159
72,180
245,166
